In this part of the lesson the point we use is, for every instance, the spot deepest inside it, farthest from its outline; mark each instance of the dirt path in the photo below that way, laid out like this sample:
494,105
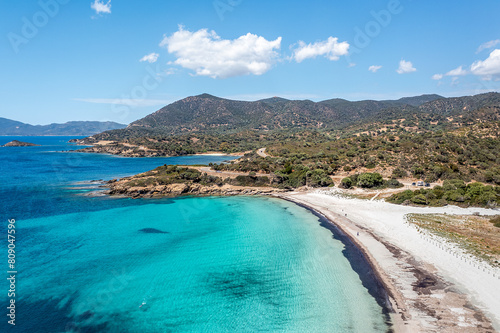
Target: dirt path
262,152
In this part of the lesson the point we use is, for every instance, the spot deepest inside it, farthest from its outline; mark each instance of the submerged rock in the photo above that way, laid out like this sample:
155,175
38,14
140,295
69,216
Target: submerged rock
152,231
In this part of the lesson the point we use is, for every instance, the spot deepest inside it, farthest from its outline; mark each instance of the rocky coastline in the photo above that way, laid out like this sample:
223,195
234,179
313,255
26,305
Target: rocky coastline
121,150
121,188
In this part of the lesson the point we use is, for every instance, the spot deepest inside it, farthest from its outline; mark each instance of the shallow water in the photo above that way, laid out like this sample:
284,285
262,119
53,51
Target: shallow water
99,264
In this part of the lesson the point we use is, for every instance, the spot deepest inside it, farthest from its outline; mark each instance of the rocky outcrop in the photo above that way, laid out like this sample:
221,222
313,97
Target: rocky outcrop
126,151
181,189
17,143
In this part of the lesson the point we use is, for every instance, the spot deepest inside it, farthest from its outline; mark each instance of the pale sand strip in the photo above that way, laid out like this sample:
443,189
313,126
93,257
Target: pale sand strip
431,289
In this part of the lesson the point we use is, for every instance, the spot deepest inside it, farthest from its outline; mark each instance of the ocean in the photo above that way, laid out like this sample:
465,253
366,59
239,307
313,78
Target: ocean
210,264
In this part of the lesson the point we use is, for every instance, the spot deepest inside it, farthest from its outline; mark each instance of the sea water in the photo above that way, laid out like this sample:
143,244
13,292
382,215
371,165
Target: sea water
216,264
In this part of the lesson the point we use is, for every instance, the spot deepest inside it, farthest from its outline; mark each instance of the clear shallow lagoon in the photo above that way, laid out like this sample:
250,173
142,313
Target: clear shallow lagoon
238,264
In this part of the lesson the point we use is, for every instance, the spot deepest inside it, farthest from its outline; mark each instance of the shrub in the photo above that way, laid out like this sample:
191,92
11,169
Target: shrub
399,173
394,183
454,184
250,181
318,177
456,196
369,180
346,183
370,165
419,199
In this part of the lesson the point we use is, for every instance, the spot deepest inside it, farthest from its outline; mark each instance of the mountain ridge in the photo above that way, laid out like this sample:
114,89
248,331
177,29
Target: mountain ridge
13,127
208,113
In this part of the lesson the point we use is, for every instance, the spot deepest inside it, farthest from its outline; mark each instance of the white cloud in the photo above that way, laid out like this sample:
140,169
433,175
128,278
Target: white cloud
405,67
209,55
329,48
151,58
101,7
374,68
488,68
125,101
488,45
459,71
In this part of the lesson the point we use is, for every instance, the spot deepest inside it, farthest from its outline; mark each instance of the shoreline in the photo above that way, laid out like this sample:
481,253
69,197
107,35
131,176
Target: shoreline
417,296
422,297
378,288
389,298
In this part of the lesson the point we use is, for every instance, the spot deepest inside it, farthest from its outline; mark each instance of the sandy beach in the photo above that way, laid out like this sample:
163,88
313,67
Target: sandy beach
432,285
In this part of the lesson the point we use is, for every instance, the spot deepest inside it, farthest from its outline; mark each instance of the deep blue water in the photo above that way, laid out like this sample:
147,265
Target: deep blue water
37,181
237,264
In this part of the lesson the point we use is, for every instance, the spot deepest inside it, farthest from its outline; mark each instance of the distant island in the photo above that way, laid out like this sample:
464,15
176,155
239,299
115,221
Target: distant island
17,143
12,127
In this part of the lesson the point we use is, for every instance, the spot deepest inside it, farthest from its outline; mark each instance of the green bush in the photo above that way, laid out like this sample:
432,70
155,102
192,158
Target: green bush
394,183
457,193
419,199
370,165
250,181
453,184
369,180
318,178
346,183
399,173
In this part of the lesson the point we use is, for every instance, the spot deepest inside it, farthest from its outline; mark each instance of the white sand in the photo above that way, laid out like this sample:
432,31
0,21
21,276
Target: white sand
380,220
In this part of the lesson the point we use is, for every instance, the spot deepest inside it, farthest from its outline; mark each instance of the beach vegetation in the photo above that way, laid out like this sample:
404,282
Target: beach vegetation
473,234
455,192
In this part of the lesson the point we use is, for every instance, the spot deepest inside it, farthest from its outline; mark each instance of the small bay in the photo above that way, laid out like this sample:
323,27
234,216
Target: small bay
211,264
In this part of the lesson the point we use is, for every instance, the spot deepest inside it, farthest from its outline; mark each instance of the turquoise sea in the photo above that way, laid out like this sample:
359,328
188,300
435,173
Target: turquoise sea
217,264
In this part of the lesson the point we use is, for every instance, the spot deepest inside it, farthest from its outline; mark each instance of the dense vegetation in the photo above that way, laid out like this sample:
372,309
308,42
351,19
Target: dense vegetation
172,174
468,154
454,192
369,180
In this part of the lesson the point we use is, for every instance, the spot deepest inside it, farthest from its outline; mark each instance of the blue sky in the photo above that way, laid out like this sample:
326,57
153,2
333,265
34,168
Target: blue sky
64,60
